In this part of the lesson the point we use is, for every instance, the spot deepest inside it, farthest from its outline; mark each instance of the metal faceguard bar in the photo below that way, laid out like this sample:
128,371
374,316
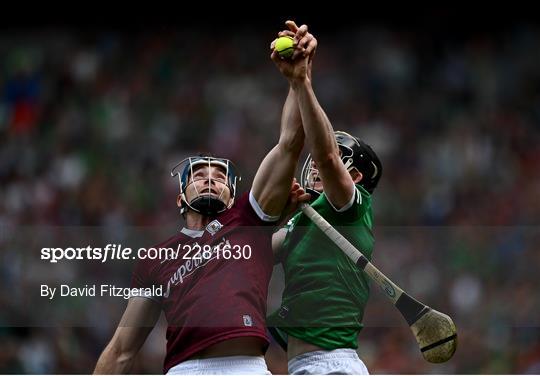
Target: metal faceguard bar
230,176
308,178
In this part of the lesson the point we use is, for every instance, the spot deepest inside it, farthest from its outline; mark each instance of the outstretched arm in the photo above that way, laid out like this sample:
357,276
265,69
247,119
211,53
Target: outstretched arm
337,182
272,183
137,322
320,139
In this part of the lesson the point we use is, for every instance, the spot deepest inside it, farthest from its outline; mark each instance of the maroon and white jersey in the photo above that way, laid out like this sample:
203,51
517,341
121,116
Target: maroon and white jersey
218,295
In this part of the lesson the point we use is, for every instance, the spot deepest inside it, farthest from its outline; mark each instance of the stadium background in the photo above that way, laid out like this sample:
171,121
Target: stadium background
92,116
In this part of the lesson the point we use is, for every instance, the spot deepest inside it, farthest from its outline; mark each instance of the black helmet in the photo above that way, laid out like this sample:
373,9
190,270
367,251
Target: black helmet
354,154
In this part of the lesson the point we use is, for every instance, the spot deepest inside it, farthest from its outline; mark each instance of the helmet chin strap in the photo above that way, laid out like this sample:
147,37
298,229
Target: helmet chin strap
207,205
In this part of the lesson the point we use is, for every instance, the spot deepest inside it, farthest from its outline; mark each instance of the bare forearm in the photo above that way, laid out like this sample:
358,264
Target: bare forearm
317,127
292,134
272,182
112,361
137,322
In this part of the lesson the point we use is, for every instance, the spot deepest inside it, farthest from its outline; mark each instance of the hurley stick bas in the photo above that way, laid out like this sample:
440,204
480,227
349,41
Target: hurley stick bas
434,331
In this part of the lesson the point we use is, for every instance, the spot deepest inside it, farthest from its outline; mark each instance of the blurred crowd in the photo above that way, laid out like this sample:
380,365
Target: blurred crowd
92,122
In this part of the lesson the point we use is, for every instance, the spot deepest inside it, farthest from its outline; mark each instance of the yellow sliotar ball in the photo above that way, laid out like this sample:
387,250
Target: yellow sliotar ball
284,46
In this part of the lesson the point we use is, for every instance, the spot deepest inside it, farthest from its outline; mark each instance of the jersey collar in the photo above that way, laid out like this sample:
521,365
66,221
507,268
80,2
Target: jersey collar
192,233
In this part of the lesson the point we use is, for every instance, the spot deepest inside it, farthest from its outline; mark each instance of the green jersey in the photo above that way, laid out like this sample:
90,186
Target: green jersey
325,293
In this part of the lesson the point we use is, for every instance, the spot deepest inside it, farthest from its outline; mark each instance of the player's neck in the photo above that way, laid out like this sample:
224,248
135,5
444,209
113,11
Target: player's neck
196,221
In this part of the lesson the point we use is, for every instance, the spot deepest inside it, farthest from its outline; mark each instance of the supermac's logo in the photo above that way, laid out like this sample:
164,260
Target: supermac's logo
190,266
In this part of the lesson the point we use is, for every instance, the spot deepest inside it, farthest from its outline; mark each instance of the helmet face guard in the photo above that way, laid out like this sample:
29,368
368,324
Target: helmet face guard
204,202
310,174
355,155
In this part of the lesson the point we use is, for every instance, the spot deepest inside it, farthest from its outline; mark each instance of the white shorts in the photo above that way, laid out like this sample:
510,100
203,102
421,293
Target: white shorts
227,365
334,362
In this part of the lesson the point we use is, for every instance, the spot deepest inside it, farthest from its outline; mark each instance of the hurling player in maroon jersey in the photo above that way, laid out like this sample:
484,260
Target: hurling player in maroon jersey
215,304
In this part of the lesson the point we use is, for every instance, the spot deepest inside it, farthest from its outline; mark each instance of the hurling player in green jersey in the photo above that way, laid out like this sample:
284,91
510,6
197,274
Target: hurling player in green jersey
325,294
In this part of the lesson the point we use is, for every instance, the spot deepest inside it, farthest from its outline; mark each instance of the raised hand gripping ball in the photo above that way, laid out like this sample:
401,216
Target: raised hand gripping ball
284,47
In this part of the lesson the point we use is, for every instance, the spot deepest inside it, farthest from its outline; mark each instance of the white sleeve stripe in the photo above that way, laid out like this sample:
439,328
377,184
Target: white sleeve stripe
262,215
350,203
